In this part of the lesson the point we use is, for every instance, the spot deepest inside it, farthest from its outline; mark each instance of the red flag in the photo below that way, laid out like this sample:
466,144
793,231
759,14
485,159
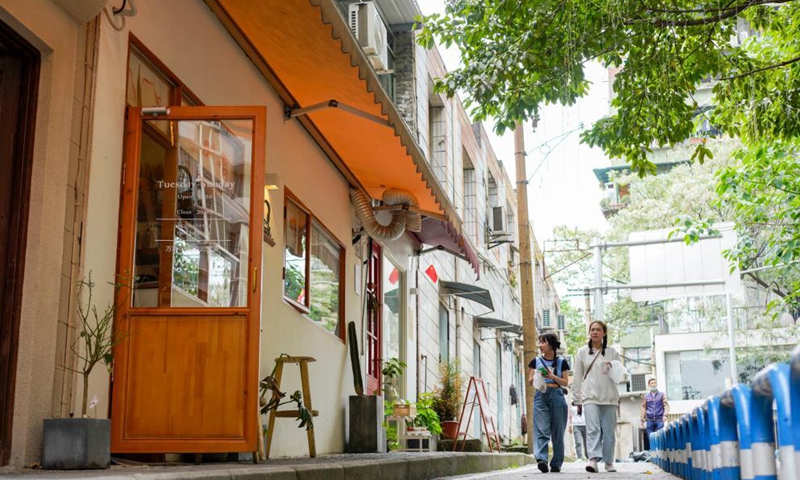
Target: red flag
431,272
394,276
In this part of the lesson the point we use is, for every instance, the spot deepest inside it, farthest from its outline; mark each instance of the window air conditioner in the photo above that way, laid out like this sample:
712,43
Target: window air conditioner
498,220
638,382
368,28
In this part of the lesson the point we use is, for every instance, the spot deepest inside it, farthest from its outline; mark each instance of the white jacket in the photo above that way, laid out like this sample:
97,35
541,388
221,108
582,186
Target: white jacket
598,388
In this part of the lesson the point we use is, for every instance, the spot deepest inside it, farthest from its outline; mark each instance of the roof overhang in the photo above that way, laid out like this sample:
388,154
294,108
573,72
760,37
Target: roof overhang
306,51
498,324
441,235
469,292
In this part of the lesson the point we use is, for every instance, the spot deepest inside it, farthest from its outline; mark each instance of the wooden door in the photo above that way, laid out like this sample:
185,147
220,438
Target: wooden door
19,71
186,374
374,340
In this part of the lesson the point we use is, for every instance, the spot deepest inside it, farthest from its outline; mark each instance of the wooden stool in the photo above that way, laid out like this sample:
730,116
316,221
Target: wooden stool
274,413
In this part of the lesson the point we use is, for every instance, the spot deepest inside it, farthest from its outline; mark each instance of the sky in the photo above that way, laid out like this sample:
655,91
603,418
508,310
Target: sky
563,189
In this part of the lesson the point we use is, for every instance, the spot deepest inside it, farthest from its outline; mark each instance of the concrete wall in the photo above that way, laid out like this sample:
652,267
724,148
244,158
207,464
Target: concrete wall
55,34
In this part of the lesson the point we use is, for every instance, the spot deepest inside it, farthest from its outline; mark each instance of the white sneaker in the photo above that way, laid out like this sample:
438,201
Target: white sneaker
610,467
592,466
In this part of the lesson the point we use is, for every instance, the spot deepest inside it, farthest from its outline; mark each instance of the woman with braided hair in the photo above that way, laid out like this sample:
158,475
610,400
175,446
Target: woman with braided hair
596,394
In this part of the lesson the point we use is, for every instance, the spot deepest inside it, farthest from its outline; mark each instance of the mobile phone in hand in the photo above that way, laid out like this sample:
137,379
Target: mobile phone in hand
544,371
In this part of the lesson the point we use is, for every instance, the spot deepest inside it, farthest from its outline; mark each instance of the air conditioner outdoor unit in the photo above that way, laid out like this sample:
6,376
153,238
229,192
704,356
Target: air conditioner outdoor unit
498,220
638,382
546,318
368,28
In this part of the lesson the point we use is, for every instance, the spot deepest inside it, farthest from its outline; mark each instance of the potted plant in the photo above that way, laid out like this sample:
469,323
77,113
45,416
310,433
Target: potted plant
392,369
427,417
365,413
84,443
448,397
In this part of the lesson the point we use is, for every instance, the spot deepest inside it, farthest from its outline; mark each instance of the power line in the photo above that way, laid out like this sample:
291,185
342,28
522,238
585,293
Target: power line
541,147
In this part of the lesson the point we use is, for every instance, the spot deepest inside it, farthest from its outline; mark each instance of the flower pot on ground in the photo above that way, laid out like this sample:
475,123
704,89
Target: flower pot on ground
84,443
367,431
449,429
448,397
76,443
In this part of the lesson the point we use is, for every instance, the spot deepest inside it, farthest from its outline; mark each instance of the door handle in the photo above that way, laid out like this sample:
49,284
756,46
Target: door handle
255,278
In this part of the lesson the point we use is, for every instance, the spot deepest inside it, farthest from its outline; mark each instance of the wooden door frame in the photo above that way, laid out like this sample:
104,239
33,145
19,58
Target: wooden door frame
125,265
11,308
376,251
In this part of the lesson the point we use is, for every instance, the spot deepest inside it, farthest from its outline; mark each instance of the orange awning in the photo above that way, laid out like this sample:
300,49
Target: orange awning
305,49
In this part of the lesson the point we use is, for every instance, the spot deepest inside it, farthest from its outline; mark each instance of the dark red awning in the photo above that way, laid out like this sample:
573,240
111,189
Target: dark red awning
442,235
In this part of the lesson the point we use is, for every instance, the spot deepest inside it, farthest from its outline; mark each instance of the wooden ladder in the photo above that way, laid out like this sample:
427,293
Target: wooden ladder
274,413
476,395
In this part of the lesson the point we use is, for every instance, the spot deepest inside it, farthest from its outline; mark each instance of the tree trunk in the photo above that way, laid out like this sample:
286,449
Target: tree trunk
85,394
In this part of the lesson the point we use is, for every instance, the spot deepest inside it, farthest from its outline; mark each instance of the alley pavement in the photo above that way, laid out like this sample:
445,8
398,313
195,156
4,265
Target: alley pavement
575,471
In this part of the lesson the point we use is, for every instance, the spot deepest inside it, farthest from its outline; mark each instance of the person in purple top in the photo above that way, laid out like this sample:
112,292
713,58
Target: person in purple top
655,409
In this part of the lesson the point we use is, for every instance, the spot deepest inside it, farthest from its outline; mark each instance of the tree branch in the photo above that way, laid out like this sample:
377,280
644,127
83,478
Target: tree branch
709,10
696,22
763,69
766,285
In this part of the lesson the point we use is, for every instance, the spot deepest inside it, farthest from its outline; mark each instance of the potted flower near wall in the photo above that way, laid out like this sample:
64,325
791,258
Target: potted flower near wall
391,371
448,397
84,442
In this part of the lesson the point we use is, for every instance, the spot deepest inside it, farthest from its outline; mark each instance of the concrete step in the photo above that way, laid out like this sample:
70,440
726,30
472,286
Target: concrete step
388,466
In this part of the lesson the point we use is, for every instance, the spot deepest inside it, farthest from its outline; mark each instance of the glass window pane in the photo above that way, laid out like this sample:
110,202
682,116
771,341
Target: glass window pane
147,87
392,305
326,258
296,222
192,234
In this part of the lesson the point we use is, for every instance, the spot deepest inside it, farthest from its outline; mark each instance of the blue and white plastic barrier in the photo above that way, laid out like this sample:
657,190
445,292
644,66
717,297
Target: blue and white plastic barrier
733,436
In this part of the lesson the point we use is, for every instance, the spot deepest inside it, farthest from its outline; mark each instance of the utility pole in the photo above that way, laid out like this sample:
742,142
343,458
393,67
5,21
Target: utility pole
587,308
526,272
598,280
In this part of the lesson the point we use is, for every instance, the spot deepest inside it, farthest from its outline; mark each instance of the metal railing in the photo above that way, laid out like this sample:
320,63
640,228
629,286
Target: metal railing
733,435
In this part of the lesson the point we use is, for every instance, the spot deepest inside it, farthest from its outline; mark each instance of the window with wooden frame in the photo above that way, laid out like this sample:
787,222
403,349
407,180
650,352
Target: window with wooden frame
313,271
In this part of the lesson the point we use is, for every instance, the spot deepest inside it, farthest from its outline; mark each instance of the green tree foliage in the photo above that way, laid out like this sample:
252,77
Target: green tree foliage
519,55
762,189
686,191
576,328
569,256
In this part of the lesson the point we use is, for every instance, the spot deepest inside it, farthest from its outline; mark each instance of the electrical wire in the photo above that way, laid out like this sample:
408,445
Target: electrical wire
550,149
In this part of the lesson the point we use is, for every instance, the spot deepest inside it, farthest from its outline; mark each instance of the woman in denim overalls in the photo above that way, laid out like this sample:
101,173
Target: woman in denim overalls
550,406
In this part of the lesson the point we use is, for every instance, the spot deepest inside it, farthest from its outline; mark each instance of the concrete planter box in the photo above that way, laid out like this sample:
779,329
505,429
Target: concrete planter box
365,419
76,443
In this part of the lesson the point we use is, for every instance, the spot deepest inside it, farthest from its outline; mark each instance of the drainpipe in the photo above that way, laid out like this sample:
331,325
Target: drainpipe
416,308
459,317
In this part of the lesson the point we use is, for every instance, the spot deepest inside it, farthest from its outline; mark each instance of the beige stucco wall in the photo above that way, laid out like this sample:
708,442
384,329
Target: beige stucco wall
189,40
54,33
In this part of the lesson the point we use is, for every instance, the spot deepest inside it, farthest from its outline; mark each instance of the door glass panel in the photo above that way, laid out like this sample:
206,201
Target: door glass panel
193,214
392,303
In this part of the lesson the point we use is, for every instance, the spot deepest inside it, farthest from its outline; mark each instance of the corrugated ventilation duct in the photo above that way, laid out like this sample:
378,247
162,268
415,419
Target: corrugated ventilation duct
402,220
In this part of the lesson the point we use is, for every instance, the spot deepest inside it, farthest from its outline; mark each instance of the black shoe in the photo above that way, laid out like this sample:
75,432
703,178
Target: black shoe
555,469
542,466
